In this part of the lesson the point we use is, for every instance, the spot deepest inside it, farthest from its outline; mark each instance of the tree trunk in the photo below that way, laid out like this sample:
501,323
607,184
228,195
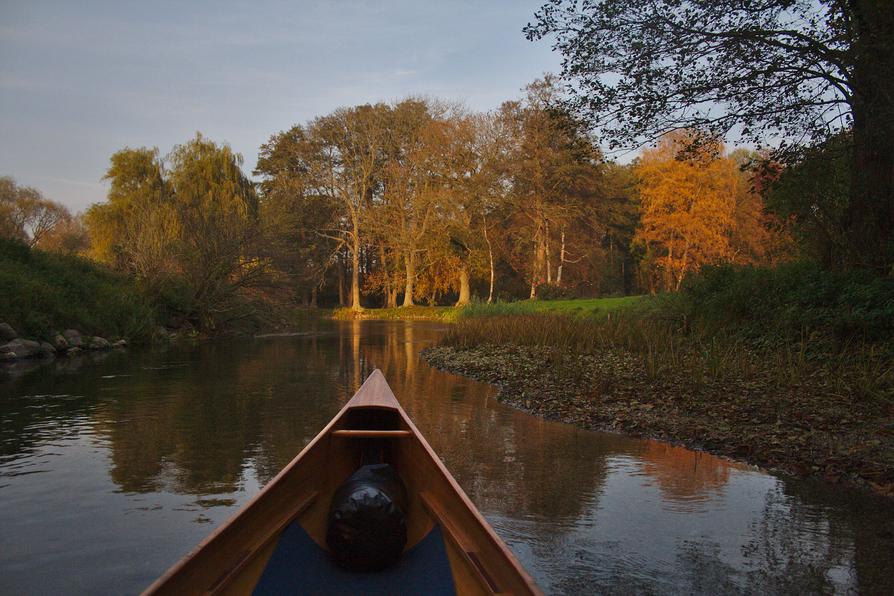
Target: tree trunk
465,294
355,274
870,217
341,281
410,260
490,256
313,297
386,285
392,297
561,259
539,262
549,264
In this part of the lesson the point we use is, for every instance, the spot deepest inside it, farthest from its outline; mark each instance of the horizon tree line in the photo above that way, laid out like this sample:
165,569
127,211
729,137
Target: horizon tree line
423,201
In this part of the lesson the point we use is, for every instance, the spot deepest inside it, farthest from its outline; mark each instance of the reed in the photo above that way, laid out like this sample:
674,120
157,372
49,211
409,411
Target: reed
668,343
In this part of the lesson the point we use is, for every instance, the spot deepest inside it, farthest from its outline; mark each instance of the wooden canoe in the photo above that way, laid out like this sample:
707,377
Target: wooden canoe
264,548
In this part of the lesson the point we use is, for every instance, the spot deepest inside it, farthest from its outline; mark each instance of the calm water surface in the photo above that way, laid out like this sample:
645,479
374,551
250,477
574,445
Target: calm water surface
113,467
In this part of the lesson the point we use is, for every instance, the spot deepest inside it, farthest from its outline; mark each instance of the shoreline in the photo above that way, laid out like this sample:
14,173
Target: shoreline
784,431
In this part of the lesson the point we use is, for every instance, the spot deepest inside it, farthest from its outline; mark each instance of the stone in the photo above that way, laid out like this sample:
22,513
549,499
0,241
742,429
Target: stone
47,349
99,343
121,343
7,333
22,348
59,343
74,351
73,337
7,357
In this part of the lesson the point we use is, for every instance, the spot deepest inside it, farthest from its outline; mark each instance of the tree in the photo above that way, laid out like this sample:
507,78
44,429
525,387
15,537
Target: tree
134,229
783,70
291,215
216,223
345,166
190,228
550,163
412,174
25,214
687,205
69,236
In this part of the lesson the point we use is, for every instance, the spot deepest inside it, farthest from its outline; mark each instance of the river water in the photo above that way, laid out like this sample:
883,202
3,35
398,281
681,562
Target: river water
114,465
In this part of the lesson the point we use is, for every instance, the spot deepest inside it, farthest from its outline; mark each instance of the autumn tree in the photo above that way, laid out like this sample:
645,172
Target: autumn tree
68,236
25,214
291,214
778,71
345,167
413,182
687,207
550,159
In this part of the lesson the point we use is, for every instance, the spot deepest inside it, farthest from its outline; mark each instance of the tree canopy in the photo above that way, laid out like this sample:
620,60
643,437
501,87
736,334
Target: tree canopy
788,73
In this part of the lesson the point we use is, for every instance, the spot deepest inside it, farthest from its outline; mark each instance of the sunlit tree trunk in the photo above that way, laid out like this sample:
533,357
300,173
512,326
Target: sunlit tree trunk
465,294
546,251
410,260
490,257
341,280
561,259
355,273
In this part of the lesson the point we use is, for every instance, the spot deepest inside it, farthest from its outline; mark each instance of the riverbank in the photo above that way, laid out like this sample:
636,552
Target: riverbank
789,368
803,429
576,307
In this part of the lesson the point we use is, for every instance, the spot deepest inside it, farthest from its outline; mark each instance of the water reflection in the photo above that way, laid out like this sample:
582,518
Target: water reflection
129,460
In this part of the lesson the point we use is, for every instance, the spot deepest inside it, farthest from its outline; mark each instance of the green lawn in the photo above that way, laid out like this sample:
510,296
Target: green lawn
579,306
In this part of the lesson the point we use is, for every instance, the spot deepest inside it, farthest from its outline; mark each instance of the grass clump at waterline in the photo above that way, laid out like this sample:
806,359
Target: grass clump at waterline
42,292
809,401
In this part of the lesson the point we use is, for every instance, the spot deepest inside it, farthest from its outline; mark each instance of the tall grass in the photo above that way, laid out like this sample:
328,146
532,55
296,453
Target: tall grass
666,343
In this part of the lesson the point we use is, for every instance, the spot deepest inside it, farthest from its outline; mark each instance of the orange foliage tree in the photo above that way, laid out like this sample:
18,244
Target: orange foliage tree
687,207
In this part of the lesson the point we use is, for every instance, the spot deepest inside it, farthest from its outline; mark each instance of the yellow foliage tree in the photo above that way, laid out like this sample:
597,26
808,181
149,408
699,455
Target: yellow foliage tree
688,203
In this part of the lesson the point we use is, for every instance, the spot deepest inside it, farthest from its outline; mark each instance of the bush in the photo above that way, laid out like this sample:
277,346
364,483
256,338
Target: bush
41,293
794,300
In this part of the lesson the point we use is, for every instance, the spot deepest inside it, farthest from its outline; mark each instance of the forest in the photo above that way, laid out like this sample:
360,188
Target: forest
421,201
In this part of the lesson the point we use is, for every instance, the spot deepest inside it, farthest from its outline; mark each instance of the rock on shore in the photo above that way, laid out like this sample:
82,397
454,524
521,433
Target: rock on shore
69,342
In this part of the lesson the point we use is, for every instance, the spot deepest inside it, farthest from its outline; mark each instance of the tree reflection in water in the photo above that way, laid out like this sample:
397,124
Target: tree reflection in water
201,427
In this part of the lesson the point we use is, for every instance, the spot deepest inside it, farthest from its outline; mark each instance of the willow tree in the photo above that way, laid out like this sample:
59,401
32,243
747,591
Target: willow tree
787,71
133,229
216,223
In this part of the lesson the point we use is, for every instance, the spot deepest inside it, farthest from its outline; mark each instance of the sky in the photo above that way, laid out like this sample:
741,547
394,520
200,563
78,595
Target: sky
81,80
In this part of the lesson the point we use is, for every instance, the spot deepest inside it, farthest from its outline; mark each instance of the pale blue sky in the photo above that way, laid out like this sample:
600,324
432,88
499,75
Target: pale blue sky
82,79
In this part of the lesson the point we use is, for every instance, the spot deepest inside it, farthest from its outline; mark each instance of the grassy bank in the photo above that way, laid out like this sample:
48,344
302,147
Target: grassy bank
790,369
45,292
583,307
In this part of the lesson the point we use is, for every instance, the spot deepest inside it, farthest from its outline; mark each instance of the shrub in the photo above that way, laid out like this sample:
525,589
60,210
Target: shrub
41,293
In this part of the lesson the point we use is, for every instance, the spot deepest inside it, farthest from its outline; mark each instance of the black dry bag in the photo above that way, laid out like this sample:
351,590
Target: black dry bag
367,519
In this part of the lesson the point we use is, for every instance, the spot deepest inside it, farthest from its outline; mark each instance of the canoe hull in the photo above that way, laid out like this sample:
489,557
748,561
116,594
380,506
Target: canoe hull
233,558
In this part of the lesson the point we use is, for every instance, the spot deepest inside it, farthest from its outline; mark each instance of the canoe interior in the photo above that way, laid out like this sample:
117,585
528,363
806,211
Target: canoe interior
289,515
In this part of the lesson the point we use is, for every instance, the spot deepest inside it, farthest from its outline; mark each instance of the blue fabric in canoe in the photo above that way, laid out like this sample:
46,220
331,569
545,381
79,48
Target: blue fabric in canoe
299,566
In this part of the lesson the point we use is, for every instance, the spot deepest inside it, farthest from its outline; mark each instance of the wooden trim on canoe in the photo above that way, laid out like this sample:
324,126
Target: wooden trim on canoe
251,551
372,434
